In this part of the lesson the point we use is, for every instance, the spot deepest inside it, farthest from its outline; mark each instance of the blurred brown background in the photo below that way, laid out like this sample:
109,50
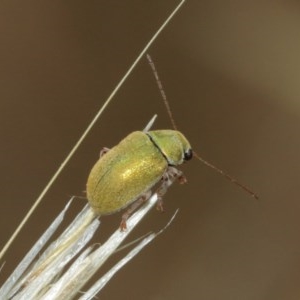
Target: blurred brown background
231,72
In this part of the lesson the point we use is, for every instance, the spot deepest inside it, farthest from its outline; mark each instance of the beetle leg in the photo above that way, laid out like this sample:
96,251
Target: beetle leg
137,203
167,180
160,204
175,173
103,151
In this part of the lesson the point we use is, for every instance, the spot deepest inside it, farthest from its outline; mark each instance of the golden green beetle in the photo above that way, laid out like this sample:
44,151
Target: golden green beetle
126,173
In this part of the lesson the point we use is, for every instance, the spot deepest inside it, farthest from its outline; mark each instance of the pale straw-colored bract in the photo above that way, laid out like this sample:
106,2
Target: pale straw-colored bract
46,275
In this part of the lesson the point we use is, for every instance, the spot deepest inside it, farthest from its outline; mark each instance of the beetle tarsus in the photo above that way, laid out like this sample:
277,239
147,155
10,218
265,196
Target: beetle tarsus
123,225
103,151
160,205
182,179
136,204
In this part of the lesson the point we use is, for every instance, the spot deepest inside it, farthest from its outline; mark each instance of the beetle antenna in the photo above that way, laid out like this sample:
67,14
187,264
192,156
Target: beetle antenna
162,92
227,176
205,162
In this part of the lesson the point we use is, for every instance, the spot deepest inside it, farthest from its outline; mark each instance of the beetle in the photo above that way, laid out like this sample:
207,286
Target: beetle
126,173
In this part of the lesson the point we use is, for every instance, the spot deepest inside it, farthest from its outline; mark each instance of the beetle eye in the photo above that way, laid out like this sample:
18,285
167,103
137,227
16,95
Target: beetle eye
188,154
